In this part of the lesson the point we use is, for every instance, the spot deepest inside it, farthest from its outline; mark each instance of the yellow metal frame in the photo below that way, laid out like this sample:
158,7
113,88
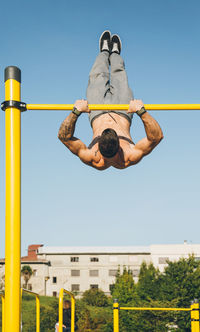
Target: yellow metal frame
94,107
3,312
13,188
37,306
61,295
194,310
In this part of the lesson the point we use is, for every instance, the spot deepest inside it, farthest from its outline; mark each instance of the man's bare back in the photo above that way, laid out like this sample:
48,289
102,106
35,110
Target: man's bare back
122,127
128,154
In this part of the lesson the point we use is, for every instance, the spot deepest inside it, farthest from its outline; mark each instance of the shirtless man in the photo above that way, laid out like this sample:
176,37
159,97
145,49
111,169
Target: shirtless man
112,144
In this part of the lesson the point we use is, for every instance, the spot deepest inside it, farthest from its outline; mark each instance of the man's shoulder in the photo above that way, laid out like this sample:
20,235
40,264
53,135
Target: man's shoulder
133,156
99,163
92,158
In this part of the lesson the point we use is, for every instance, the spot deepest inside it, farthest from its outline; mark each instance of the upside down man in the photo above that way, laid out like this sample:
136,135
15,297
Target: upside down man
112,144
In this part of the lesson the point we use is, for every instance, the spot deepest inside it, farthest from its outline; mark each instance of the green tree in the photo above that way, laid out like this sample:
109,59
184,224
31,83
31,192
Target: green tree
84,323
27,272
148,282
95,297
124,288
181,282
93,318
48,318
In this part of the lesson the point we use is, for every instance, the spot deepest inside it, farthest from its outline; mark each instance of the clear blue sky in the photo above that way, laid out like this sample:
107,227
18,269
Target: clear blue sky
65,202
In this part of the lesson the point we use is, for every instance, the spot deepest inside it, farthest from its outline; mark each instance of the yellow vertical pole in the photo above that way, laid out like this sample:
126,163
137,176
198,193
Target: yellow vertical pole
195,316
37,314
13,202
60,322
72,314
3,312
115,316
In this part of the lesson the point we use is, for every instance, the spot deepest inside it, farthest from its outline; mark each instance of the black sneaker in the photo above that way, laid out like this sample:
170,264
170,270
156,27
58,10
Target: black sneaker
116,44
104,41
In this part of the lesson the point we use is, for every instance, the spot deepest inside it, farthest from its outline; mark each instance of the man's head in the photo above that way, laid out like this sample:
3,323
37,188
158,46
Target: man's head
66,304
109,143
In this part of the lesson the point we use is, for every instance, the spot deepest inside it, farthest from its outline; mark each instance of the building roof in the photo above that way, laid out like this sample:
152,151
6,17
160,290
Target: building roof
94,250
32,254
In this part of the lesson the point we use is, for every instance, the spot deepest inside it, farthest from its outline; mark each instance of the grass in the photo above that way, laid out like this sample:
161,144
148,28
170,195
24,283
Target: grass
47,304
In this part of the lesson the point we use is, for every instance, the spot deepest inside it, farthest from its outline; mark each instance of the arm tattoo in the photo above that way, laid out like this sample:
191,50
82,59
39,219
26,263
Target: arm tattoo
67,128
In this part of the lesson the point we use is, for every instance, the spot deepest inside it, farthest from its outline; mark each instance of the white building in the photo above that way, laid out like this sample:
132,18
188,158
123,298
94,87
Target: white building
80,268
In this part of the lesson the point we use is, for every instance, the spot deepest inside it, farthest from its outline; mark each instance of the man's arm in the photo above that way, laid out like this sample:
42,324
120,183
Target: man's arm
57,327
67,129
152,129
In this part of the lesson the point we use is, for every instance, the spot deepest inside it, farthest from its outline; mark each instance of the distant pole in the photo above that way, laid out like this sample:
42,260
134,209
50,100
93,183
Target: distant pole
115,316
195,316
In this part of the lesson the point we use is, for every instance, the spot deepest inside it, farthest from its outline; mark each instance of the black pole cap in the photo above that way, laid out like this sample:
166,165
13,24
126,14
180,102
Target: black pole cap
196,301
12,72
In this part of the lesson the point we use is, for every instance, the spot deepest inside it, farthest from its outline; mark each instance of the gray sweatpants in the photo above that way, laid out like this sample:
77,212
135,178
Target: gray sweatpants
108,88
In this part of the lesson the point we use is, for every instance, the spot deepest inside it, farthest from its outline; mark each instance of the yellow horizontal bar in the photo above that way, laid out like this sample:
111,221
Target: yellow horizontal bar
155,309
29,292
69,293
122,107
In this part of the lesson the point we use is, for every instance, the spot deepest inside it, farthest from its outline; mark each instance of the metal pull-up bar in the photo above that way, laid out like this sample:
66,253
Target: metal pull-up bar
194,313
122,107
94,107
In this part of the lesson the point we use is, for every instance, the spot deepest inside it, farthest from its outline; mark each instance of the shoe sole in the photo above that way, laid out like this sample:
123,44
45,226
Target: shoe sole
101,38
119,42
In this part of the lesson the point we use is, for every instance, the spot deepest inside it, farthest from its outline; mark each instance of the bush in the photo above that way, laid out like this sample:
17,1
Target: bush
95,297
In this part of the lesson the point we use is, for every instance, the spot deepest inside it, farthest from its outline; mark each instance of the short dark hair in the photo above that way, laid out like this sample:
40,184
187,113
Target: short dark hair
66,302
109,143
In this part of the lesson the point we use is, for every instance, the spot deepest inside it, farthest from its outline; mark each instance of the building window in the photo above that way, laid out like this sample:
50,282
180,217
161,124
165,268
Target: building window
55,294
94,273
54,280
112,273
75,288
111,287
163,260
30,287
75,273
113,259
135,273
74,259
94,259
94,286
34,273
